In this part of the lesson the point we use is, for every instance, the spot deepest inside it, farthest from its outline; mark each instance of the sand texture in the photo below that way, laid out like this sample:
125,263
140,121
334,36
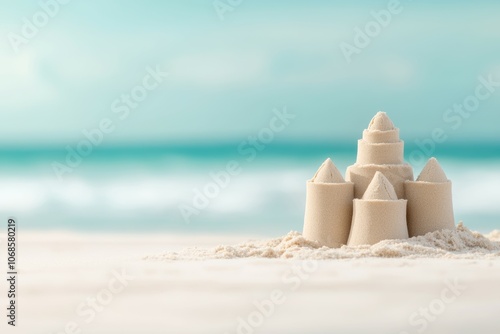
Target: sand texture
168,294
379,215
460,243
430,201
380,150
381,122
430,207
328,173
376,136
380,189
362,175
432,172
329,207
380,153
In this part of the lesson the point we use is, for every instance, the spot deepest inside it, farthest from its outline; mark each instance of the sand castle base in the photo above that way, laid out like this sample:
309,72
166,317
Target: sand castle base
374,221
328,215
430,207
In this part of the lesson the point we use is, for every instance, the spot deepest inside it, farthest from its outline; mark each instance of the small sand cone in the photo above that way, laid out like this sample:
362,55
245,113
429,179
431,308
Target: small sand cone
430,203
380,150
328,207
379,215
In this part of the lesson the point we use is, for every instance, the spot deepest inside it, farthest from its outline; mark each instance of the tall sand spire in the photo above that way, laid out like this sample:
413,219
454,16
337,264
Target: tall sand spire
380,150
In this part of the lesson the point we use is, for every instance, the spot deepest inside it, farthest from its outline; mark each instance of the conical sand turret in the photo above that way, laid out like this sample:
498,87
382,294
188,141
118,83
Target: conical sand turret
430,204
379,215
328,173
328,207
432,172
380,189
381,122
380,150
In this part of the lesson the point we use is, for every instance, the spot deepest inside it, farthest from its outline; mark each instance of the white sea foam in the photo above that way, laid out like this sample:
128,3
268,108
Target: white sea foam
266,192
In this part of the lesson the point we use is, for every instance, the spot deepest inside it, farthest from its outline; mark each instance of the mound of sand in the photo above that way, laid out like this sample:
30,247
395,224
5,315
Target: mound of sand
460,243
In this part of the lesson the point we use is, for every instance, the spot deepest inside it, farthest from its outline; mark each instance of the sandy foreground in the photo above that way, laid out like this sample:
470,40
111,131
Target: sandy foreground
84,283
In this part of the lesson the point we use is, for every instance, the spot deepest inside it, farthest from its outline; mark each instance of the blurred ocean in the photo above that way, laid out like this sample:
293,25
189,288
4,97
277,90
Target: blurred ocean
140,188
226,77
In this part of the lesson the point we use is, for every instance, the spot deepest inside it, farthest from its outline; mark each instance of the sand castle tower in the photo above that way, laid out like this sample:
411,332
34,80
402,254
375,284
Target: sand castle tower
328,207
380,150
379,215
380,200
430,204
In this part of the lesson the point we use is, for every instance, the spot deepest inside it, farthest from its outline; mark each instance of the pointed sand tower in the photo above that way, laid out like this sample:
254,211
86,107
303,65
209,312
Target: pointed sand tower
380,150
328,207
430,204
379,215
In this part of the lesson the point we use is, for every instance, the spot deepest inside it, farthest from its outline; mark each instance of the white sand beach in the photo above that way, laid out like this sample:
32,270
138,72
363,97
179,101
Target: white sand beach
88,283
250,167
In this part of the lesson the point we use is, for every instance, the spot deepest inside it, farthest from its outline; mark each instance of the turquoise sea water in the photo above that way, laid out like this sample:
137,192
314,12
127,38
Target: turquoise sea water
227,78
141,188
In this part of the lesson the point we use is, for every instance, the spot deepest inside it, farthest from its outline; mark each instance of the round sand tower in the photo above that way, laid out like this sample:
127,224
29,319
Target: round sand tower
430,203
380,150
379,215
328,207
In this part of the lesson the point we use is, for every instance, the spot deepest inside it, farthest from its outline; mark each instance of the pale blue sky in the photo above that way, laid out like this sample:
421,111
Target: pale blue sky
227,76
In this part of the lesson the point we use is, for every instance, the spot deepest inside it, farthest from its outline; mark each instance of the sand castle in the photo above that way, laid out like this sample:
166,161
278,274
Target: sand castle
379,198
